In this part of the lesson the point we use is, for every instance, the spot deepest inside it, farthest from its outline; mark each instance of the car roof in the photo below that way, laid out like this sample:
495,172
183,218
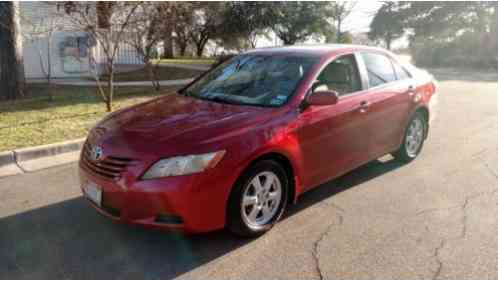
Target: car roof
313,49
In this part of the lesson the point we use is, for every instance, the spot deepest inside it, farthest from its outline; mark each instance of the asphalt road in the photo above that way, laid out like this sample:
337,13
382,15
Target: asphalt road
433,218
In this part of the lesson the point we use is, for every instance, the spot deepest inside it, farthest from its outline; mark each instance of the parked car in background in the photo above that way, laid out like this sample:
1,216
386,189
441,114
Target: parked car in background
246,139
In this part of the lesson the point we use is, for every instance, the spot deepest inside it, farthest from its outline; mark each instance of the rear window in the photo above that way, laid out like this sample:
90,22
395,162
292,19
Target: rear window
401,73
380,69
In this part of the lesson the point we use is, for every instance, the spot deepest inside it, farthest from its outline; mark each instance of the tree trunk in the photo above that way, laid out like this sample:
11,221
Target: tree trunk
494,26
200,48
389,40
168,43
339,32
49,67
152,71
199,51
183,48
11,60
110,87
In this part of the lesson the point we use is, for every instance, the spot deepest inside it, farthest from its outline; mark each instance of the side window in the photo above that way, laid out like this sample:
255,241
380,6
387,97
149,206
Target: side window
341,75
380,69
401,73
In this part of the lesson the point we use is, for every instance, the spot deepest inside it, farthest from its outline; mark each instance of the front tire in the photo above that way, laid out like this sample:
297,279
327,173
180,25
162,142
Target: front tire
413,140
258,199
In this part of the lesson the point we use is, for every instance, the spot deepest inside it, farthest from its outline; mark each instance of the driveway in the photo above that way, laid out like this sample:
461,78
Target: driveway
433,218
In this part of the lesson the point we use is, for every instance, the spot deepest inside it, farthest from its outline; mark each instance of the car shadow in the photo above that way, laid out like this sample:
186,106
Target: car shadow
70,240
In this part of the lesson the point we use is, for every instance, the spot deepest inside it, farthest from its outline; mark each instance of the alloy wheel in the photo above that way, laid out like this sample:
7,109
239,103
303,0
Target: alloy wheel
414,137
261,199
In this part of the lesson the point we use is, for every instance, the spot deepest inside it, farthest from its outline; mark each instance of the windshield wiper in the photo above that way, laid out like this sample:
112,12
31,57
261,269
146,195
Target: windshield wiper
218,99
227,101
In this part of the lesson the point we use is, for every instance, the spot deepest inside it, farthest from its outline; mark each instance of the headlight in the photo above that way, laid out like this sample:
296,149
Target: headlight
183,165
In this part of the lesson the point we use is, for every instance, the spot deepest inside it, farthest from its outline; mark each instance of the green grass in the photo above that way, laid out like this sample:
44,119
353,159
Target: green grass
190,61
164,73
36,120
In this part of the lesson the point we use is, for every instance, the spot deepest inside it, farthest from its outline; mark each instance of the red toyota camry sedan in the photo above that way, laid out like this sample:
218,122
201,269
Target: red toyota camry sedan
239,144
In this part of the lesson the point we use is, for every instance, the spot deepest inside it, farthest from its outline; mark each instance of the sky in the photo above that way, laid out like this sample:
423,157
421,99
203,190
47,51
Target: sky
362,15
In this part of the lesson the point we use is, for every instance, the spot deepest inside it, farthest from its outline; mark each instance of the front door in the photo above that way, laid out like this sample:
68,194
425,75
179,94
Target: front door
334,138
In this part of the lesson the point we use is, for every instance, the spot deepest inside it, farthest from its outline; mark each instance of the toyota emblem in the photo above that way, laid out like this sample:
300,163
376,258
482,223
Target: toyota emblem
97,153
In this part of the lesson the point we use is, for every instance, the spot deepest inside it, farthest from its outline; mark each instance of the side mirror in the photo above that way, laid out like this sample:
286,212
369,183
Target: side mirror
323,98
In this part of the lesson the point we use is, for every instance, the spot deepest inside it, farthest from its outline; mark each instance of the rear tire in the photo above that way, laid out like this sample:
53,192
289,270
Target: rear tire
258,199
413,140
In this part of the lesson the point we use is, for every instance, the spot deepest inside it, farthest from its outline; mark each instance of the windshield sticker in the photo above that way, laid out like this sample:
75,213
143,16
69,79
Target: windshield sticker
282,97
276,102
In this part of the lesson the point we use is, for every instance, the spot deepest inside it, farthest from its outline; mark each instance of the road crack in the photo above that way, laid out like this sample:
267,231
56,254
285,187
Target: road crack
490,170
316,244
462,234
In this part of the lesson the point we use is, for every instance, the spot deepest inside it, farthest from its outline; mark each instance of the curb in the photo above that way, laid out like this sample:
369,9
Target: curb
8,166
40,157
31,153
6,158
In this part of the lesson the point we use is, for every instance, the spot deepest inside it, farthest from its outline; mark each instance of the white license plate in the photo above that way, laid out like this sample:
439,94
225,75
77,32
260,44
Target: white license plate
93,192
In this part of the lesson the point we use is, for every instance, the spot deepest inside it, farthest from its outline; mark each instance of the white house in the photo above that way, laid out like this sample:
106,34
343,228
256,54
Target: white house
69,49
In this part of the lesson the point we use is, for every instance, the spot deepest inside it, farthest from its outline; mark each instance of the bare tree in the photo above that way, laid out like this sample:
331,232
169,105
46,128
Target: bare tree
184,17
167,12
11,59
108,24
341,10
146,30
207,20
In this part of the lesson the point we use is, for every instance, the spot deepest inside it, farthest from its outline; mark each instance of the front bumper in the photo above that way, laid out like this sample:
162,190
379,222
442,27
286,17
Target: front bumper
192,204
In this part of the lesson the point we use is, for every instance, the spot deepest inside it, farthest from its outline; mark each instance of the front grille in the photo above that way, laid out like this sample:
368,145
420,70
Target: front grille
109,167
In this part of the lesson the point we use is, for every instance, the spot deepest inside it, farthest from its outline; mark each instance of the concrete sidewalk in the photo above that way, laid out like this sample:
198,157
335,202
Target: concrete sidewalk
188,66
84,82
90,82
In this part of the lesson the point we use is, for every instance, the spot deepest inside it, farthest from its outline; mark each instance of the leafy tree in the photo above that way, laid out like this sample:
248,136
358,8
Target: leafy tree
452,33
339,12
296,21
11,59
244,22
346,38
388,23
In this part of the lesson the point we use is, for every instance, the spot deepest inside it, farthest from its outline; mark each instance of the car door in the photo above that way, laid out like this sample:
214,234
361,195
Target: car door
389,102
333,138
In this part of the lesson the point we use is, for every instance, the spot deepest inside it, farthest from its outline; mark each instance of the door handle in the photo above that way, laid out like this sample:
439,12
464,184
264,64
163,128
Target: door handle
411,90
364,105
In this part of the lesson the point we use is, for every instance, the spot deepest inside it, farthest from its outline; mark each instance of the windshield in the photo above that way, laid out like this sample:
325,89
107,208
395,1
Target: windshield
260,80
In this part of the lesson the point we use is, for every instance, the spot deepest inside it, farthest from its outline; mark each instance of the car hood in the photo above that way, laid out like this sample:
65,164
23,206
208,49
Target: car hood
174,124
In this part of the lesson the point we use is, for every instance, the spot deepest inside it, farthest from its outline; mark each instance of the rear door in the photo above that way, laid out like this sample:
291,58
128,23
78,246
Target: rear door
390,100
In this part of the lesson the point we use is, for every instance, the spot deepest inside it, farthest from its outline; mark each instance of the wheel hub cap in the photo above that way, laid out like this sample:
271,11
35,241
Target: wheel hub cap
261,199
414,137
